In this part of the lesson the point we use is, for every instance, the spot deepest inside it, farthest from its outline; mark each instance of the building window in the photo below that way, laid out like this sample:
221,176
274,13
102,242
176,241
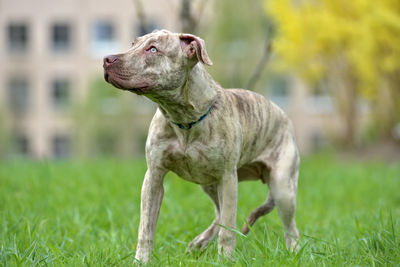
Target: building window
21,145
319,101
61,37
61,146
321,88
19,95
278,91
17,37
103,40
103,32
60,94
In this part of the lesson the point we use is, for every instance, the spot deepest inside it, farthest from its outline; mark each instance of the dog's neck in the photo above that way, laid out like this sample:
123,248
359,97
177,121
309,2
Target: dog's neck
192,100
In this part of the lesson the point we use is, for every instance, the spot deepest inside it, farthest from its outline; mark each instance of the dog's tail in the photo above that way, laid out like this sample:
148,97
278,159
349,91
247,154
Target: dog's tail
264,209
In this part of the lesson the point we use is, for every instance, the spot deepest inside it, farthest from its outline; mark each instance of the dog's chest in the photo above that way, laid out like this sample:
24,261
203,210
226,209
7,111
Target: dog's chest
198,163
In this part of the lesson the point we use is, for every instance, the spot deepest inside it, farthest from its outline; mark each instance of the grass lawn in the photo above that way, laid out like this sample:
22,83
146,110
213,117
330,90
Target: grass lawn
87,213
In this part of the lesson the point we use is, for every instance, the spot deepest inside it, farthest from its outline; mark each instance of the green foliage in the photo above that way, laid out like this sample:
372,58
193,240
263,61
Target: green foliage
4,133
108,122
355,44
87,213
235,40
313,34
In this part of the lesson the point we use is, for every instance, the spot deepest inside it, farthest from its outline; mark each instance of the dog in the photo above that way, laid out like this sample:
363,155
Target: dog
207,135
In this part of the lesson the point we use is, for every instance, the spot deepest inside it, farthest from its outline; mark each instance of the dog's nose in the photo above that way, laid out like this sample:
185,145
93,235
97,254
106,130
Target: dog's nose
109,60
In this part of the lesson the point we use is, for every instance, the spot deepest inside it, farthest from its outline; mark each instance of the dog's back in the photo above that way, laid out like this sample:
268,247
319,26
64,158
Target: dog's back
263,123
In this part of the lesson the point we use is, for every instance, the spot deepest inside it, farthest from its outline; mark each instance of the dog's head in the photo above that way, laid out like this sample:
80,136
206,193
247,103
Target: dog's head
157,61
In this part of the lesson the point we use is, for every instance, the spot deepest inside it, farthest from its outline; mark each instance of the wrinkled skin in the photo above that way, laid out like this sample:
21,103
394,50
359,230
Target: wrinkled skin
244,137
155,74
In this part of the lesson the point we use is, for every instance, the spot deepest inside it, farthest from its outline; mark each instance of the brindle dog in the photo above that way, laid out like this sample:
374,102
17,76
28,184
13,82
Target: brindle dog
208,135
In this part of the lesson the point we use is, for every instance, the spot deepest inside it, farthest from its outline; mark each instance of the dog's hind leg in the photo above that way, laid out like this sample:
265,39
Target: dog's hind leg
283,189
257,170
264,209
202,240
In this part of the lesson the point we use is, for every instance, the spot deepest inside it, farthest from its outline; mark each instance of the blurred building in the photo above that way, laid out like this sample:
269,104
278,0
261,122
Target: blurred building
50,51
313,111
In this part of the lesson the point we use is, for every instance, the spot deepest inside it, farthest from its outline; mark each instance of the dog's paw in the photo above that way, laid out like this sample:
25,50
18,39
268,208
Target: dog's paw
141,257
226,254
200,242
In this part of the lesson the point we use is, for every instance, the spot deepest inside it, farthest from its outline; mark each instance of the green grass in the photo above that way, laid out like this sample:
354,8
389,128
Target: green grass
87,213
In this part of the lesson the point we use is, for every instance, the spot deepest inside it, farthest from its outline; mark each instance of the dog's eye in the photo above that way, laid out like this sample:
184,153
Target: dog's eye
153,49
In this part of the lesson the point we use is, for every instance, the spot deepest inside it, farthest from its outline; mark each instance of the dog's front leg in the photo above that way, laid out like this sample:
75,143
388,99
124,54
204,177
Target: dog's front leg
152,194
227,194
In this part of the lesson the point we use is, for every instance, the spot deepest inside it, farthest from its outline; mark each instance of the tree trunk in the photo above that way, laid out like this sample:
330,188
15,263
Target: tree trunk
188,22
344,87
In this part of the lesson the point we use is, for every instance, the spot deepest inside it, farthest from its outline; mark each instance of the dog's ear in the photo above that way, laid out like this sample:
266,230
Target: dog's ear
194,46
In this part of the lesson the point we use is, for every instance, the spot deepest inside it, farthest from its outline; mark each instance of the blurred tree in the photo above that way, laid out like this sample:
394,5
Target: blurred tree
188,19
256,75
353,44
108,122
236,38
144,25
5,137
189,23
191,14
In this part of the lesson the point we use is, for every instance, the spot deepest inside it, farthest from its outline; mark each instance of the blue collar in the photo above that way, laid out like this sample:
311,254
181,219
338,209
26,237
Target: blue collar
187,126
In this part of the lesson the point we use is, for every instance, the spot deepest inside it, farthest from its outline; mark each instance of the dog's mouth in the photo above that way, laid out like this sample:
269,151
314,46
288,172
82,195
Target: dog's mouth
121,83
138,90
106,77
